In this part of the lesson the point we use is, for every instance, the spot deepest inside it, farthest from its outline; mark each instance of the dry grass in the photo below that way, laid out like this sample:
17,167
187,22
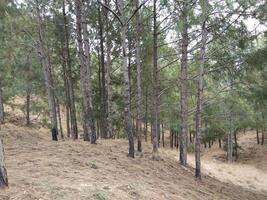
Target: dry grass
41,169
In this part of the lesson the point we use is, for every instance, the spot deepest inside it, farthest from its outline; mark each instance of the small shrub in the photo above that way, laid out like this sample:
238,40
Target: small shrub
100,196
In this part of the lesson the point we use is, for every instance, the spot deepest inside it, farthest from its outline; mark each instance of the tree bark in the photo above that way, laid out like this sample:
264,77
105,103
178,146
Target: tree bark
184,95
3,172
46,68
155,83
200,101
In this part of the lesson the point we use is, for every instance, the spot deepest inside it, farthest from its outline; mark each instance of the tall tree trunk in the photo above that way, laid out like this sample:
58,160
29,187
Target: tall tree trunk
108,76
82,33
46,68
28,106
3,172
100,94
126,81
200,101
69,79
138,70
184,95
220,142
155,83
103,125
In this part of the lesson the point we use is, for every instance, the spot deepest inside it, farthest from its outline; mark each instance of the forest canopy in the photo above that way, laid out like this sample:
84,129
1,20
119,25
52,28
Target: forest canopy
134,69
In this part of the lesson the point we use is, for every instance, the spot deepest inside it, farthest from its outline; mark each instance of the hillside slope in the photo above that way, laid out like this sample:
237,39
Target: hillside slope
41,169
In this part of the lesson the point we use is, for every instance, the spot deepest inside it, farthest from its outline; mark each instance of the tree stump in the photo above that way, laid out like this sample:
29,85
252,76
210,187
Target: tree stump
3,172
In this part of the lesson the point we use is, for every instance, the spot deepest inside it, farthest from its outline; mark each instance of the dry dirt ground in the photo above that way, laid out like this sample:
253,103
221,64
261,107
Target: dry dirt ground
75,170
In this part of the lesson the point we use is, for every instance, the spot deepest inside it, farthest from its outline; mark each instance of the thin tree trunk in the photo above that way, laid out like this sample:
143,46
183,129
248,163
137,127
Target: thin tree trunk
59,119
184,95
1,105
262,136
171,138
257,135
146,113
3,172
230,146
67,96
103,125
155,83
138,70
28,106
69,79
220,142
162,133
85,67
108,75
236,145
47,77
85,126
175,139
200,101
126,81
68,120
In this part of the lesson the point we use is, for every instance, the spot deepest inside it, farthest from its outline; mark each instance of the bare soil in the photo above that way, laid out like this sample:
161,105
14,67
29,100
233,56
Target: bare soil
68,170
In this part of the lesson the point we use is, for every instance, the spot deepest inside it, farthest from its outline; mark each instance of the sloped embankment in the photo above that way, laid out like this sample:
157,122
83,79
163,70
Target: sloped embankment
41,169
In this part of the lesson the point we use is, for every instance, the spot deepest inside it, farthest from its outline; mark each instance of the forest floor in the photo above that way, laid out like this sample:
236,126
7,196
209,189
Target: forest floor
75,170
